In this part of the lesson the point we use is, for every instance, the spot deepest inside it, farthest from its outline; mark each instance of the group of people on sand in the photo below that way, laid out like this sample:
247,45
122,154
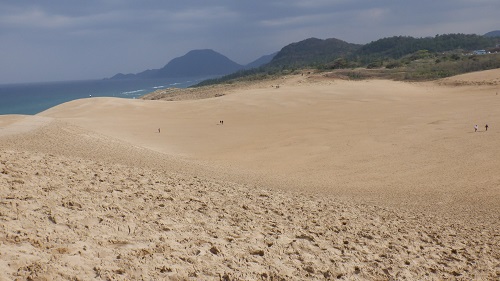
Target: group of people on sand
476,127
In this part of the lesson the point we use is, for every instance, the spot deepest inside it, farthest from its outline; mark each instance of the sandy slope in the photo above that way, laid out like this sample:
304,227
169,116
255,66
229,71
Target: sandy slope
320,178
389,141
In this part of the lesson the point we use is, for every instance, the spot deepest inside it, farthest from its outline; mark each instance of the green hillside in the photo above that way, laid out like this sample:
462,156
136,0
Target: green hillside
312,51
398,57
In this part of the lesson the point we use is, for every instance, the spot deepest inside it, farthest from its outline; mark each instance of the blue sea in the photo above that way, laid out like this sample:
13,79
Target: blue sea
32,98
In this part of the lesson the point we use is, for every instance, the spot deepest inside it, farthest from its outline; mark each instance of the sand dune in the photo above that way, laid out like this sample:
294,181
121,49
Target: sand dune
375,139
320,178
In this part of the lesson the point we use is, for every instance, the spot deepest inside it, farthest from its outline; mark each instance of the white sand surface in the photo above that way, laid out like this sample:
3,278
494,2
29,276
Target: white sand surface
321,178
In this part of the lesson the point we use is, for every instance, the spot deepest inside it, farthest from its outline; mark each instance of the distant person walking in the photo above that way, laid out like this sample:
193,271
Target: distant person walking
158,130
486,127
475,128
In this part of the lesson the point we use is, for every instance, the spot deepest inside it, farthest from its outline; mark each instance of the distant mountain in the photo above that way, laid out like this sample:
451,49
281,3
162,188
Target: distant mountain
196,63
311,51
123,76
495,33
199,63
261,61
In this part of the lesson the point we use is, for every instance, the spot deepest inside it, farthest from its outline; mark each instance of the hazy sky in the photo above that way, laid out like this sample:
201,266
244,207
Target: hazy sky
70,40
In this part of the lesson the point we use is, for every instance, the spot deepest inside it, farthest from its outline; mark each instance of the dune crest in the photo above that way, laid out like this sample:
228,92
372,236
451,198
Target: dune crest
18,124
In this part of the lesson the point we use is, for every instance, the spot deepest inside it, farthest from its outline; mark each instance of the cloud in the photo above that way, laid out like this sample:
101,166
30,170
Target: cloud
109,36
373,14
293,21
35,18
318,3
204,14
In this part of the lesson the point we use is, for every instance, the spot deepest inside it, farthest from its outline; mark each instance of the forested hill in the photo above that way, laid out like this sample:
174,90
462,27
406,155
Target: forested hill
333,52
399,46
391,52
312,51
414,58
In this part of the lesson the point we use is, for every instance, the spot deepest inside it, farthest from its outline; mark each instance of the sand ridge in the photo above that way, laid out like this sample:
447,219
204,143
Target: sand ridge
319,178
17,124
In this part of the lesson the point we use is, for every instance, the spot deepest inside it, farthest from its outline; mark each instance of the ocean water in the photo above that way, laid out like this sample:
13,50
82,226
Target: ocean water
33,98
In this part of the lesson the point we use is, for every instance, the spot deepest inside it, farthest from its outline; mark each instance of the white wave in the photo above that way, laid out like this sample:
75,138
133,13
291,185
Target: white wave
132,92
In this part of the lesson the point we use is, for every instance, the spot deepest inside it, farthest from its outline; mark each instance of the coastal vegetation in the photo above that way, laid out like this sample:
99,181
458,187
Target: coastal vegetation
398,58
